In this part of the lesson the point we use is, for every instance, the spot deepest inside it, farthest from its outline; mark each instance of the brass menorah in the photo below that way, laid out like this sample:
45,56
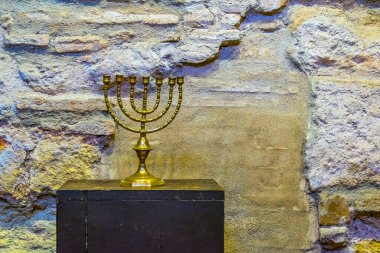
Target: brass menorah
142,177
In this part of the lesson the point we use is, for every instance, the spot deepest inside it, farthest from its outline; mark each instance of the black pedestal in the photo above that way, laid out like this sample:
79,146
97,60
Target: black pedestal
99,216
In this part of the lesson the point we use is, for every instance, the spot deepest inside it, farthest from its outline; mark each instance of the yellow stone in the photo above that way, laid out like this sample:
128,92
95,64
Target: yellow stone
3,143
334,211
370,246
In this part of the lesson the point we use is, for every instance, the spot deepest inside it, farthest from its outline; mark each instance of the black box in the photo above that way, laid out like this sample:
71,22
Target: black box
99,216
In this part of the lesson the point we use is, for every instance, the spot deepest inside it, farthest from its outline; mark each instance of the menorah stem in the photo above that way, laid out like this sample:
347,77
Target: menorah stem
142,177
142,149
145,94
144,105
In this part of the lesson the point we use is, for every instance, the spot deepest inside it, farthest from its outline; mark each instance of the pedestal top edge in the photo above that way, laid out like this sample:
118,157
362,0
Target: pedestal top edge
170,185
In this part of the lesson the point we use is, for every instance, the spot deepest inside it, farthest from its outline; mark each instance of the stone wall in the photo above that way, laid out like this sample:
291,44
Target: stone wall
281,107
339,49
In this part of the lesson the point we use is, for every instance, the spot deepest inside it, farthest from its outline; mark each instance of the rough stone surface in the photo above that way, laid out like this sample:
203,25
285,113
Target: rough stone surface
97,16
365,227
36,40
334,211
12,156
251,62
333,237
370,246
7,22
52,74
141,59
39,237
260,6
331,41
6,111
72,102
56,160
9,79
270,7
339,50
74,44
113,17
96,126
369,203
324,43
344,139
230,20
198,16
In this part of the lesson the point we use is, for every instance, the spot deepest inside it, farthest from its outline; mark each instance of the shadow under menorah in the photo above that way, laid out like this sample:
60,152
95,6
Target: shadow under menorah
142,177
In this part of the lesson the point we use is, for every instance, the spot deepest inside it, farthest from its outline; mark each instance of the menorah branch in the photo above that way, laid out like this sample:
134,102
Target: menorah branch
113,115
123,109
132,82
174,115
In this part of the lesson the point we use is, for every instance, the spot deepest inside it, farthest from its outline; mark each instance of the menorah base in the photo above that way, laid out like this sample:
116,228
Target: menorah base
137,180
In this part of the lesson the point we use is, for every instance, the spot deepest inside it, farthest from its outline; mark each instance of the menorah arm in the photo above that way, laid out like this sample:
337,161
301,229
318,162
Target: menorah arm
122,107
133,105
158,99
174,115
109,108
132,100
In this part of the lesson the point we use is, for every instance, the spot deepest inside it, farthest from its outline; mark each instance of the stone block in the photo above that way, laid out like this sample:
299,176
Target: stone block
235,6
75,44
12,157
198,16
96,16
339,44
270,7
347,45
368,203
207,36
7,22
58,159
142,59
333,237
267,7
161,19
94,126
116,17
265,79
342,147
230,20
26,40
193,53
171,37
6,111
333,210
39,237
269,26
367,246
71,103
203,44
267,228
121,36
89,123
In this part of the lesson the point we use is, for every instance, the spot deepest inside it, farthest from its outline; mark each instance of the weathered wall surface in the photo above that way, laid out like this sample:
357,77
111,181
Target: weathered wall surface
339,49
281,107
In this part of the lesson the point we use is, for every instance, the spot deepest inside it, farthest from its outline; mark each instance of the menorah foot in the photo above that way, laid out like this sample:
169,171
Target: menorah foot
138,180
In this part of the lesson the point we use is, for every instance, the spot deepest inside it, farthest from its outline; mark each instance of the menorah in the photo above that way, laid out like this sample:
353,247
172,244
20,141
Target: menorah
142,177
